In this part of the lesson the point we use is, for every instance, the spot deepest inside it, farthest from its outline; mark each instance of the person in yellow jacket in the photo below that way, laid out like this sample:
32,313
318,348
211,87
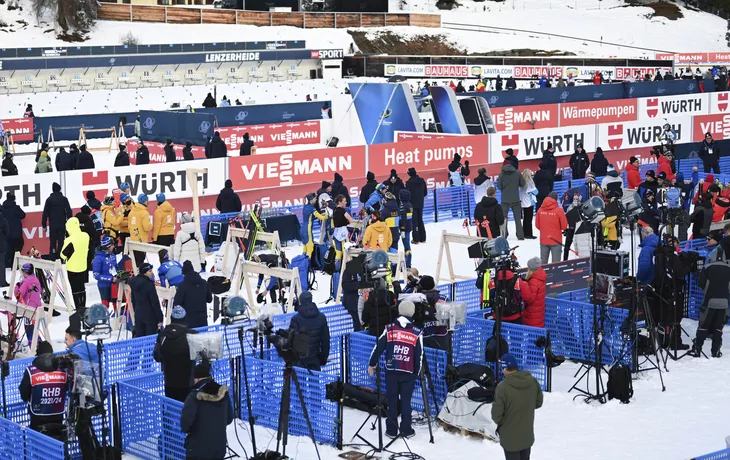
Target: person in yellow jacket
140,225
124,210
75,251
111,218
377,235
163,224
610,232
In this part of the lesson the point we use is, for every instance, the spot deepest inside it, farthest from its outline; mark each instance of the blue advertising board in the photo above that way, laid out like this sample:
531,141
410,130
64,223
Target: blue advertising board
447,112
182,127
384,108
67,128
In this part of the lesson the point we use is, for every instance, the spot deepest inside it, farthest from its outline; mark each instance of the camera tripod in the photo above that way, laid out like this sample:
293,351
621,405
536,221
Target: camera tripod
282,433
633,334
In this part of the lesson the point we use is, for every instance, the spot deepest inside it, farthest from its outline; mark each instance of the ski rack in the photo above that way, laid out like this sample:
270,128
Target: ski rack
165,294
399,259
112,138
446,240
58,272
272,238
241,275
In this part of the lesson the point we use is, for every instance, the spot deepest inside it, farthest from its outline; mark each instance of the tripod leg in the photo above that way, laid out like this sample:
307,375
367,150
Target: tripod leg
304,410
282,428
427,407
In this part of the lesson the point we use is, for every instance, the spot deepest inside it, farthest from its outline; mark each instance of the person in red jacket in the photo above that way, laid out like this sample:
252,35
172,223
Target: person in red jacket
551,222
597,78
703,187
665,166
633,177
532,289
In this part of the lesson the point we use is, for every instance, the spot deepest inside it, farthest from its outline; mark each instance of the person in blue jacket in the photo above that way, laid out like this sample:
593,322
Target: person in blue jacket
406,223
104,267
170,271
310,318
649,243
391,215
309,213
74,344
686,187
376,198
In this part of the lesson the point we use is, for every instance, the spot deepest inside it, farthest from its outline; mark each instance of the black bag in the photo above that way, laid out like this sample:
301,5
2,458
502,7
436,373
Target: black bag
482,395
456,377
329,260
619,383
219,284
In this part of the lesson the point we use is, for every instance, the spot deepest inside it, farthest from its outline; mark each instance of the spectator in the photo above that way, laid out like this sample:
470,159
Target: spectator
460,88
309,318
599,163
104,268
710,155
225,102
664,165
8,167
44,376
417,186
88,227
597,79
44,146
340,220
457,172
163,227
73,151
246,146
561,83
527,200
543,82
511,83
338,188
122,158
394,183
205,415
633,177
648,245
551,222
218,148
713,311
143,154
238,102
498,83
111,218
376,317
368,188
405,211
44,164
488,215
579,162
189,245
548,158
481,184
513,410
64,160
509,156
147,312
28,111
209,102
544,182
14,240
687,187
509,182
701,217
377,236
55,214
170,155
138,127
613,184
188,152
92,202
75,252
173,352
228,200
533,291
649,183
85,160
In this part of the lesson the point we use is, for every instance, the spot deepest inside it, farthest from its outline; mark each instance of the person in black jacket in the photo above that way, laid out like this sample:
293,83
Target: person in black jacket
457,171
351,297
92,202
246,145
511,83
73,151
8,167
14,215
143,154
715,280
710,154
338,188
87,226
309,318
64,160
368,188
85,160
188,151
228,201
417,186
394,183
147,312
218,148
544,182
512,158
46,375
599,163
209,102
173,352
205,415
376,319
4,236
701,217
579,162
44,147
55,214
122,158
488,214
194,295
170,154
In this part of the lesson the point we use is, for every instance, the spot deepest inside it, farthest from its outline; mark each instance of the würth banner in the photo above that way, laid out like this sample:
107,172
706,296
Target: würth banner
528,145
273,135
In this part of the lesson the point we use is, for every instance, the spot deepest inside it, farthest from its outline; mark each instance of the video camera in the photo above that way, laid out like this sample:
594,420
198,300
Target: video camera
496,253
291,346
369,267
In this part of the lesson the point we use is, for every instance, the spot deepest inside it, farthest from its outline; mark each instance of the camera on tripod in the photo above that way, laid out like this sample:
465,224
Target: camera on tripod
369,267
291,346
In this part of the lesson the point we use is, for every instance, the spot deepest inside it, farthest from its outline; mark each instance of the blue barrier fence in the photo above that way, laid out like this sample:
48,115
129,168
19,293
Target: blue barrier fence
719,455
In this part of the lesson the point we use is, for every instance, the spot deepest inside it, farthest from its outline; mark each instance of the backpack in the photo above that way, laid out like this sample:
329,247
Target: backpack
619,383
516,304
329,260
318,256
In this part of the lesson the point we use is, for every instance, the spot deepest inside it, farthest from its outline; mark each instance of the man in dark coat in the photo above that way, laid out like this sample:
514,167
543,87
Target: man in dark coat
511,83
143,154
55,214
73,151
338,188
710,155
205,415
218,148
394,183
170,154
544,182
92,202
209,102
488,214
173,352
4,236
246,145
376,319
715,281
14,215
122,158
368,188
579,162
599,163
64,160
512,158
87,226
45,375
147,312
194,295
310,318
228,201
85,160
188,151
8,167
417,186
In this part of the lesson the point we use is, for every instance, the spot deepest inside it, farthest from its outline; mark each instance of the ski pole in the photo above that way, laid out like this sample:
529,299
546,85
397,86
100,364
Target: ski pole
562,245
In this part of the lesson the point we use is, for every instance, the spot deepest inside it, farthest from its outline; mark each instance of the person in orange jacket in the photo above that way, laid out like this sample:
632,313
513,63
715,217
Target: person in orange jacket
163,224
140,225
377,236
633,177
551,222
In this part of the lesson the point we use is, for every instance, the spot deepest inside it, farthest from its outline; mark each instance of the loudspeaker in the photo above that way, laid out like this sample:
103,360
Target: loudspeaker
333,141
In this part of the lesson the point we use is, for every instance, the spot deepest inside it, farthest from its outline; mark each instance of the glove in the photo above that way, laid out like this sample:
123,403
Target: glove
203,266
466,162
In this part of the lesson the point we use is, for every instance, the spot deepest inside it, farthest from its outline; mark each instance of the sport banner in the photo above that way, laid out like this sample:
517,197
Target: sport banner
642,134
523,117
406,136
718,125
653,108
20,128
273,135
30,190
595,112
720,102
528,145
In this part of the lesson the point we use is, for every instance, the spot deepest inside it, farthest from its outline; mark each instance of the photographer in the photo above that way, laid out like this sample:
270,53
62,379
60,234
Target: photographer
79,347
28,292
435,335
312,320
378,310
715,281
44,388
173,352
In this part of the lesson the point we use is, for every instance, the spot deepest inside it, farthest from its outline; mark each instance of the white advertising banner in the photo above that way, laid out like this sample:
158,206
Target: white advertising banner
529,145
658,108
642,134
31,190
517,71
